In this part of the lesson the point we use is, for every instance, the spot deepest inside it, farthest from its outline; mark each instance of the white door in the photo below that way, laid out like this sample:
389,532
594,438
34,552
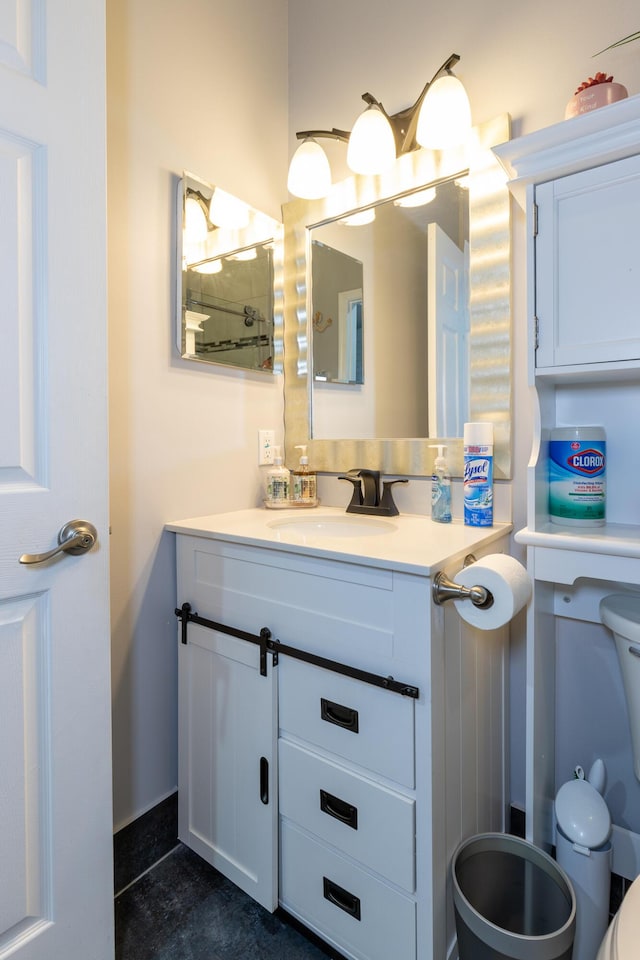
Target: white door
448,347
56,893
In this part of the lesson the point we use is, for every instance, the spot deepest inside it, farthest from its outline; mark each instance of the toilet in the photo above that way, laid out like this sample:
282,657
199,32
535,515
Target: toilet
620,612
622,940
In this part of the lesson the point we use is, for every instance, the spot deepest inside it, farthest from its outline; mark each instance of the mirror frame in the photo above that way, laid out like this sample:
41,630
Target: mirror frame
490,307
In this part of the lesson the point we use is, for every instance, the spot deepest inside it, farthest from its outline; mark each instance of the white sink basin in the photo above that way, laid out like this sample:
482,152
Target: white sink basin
304,529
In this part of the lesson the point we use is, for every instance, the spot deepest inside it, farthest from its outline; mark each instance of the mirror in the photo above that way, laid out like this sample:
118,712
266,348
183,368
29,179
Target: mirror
229,279
337,315
377,423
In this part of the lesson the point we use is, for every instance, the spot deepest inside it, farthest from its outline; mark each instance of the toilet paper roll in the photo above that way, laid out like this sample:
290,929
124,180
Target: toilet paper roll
508,582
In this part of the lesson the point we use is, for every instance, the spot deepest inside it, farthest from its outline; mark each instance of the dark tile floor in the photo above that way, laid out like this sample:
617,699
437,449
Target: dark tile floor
183,909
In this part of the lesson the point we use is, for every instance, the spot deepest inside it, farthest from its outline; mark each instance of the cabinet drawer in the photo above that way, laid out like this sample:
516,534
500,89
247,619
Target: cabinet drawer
357,912
363,819
360,723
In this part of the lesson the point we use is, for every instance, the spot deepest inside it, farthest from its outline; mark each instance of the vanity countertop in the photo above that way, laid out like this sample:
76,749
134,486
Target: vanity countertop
407,543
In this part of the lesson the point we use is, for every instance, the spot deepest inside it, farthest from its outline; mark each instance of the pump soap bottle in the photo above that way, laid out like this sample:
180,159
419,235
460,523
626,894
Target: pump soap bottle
304,481
440,487
278,482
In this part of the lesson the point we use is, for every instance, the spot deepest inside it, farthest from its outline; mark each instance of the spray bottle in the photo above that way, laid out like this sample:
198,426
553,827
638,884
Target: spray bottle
478,474
440,487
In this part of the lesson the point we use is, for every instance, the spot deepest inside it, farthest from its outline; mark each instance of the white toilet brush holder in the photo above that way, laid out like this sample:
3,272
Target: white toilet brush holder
590,875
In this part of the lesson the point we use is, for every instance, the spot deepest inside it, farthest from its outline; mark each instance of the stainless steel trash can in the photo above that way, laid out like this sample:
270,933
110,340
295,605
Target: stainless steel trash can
511,901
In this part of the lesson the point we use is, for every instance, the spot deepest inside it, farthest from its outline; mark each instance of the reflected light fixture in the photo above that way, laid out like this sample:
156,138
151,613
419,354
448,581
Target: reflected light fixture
418,199
378,138
359,219
228,211
195,217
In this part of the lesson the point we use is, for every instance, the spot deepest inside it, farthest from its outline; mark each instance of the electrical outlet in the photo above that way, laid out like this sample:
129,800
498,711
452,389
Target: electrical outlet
266,440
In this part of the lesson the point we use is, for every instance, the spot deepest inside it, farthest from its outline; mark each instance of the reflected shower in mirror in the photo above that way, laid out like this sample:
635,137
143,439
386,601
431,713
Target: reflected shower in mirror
411,255
229,271
337,315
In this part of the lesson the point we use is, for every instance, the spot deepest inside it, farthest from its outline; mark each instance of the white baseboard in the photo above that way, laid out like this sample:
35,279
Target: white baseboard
626,852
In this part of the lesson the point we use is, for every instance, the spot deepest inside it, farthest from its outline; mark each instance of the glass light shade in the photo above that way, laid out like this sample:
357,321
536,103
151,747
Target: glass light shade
248,254
360,219
195,222
208,266
445,115
418,199
372,146
225,210
309,171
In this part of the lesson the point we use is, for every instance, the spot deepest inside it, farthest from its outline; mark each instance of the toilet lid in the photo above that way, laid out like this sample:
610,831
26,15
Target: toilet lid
628,927
582,814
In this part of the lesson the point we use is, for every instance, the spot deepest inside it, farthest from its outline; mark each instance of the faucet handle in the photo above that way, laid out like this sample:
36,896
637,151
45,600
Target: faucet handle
353,476
387,501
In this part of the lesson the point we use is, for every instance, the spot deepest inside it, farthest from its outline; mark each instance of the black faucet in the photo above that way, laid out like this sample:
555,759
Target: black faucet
366,493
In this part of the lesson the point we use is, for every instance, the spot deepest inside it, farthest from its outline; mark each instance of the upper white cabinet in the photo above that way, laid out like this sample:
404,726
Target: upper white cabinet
579,183
588,266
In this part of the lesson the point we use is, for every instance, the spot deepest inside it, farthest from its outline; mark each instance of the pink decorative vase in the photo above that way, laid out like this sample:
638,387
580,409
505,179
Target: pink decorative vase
597,95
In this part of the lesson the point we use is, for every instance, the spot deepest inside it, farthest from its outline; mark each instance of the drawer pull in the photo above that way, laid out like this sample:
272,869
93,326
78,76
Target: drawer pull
341,898
264,780
345,717
339,809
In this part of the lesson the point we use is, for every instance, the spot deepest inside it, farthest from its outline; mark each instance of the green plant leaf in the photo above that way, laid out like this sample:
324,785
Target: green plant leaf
619,43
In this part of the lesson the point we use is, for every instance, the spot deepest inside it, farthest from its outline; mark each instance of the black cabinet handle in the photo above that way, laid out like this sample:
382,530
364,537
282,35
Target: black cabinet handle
345,717
341,898
339,809
264,780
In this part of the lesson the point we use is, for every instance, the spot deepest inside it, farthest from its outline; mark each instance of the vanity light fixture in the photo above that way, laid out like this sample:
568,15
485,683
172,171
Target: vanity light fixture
227,211
248,254
440,118
359,219
418,199
207,266
196,211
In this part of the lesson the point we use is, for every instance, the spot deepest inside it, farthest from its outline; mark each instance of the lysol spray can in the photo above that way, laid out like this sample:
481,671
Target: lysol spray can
577,467
478,474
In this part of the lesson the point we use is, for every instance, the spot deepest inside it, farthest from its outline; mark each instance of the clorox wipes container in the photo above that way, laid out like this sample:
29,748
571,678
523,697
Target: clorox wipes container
577,467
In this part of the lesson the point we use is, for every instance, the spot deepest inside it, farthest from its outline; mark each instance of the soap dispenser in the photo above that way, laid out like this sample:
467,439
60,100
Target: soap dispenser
440,487
303,480
278,482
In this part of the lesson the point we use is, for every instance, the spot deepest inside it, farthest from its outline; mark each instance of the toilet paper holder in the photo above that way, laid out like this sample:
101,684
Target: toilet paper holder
444,589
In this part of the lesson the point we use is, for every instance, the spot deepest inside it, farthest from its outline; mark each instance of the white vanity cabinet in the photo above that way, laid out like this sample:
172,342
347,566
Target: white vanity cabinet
579,183
311,779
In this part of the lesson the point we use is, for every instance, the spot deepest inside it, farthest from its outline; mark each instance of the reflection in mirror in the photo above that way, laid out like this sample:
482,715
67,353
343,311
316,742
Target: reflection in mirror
337,315
458,369
229,273
415,251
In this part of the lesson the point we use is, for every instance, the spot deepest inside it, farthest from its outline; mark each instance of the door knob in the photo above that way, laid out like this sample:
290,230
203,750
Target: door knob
76,537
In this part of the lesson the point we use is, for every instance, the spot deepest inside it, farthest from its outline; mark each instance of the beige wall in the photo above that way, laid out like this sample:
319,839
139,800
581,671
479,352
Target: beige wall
196,86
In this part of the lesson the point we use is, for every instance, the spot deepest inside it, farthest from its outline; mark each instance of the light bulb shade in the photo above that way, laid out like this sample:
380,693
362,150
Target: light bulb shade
445,115
309,171
195,222
228,211
372,146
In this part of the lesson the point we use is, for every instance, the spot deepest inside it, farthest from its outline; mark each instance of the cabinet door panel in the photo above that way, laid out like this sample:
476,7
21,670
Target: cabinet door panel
588,266
227,776
361,818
